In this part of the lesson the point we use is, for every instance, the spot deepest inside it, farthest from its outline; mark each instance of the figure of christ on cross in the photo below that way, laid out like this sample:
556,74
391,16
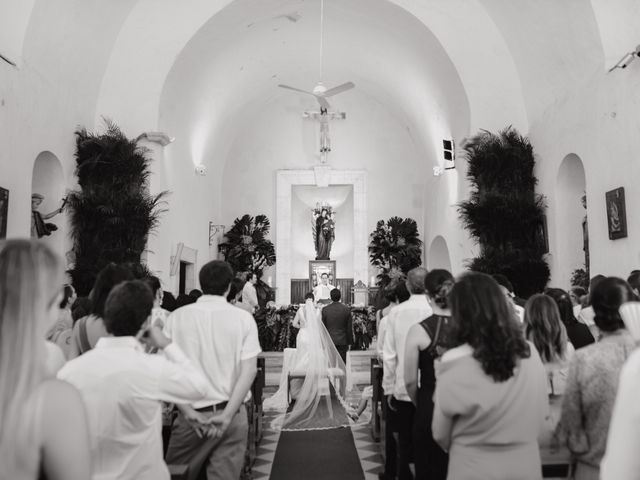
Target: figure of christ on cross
323,116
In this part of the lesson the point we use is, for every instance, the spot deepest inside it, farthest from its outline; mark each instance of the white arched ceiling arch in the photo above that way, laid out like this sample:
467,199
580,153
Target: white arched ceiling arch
617,27
156,32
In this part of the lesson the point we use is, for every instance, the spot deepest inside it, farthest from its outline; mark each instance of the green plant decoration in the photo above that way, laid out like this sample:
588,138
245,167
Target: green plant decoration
395,248
504,214
112,213
246,247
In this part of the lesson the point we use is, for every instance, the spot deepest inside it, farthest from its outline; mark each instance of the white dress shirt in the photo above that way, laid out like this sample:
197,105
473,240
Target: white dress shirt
322,292
217,337
122,388
250,296
621,460
400,319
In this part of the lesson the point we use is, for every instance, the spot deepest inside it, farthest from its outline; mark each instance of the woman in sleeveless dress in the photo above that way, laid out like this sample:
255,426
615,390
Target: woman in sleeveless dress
426,342
43,430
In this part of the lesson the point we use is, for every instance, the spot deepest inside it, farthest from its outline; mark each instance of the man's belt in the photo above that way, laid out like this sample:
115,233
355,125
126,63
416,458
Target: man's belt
213,408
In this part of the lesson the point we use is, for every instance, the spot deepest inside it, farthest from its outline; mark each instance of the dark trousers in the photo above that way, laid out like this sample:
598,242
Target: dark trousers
390,450
431,461
402,419
342,350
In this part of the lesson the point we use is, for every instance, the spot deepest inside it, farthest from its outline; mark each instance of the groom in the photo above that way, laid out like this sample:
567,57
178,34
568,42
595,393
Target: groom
337,318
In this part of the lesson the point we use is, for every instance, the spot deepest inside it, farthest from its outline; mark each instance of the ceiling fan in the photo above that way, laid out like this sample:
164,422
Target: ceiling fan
320,91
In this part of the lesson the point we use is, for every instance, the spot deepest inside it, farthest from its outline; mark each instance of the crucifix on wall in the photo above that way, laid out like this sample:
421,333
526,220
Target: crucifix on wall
323,117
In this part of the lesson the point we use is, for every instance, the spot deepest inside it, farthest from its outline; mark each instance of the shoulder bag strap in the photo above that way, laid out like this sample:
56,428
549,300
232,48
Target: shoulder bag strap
85,346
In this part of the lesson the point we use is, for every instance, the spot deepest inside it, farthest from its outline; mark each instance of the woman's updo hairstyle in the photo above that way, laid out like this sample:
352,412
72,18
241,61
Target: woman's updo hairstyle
438,284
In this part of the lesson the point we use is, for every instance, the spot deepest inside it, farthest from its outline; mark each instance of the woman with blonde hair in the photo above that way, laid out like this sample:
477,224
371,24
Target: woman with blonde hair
43,431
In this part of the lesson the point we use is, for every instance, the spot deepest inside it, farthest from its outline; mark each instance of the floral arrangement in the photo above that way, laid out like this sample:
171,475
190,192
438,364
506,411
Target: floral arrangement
395,248
246,247
276,332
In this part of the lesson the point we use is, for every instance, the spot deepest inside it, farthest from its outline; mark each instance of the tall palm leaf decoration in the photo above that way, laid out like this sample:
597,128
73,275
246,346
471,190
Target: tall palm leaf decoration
504,214
395,248
246,247
112,213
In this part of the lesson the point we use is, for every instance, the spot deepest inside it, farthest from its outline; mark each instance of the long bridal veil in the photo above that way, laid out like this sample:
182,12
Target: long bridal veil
319,402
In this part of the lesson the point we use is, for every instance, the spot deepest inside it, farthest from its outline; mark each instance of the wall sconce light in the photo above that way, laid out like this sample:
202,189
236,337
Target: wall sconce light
201,170
160,138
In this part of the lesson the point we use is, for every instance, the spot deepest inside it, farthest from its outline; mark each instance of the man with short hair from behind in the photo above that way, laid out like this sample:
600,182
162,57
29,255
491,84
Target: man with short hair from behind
337,319
401,409
223,341
122,387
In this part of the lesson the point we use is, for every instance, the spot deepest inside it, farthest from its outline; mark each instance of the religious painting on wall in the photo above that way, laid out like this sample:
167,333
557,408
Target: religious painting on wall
323,227
616,213
4,211
322,278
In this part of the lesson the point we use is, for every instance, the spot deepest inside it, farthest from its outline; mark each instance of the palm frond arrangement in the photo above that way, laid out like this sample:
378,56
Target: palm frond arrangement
246,247
504,214
395,248
112,213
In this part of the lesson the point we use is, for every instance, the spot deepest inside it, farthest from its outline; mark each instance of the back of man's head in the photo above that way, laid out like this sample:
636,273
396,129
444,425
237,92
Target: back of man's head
215,277
401,292
127,307
415,280
335,295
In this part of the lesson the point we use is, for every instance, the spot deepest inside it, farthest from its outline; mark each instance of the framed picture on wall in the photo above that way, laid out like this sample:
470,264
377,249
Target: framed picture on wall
4,211
319,267
616,213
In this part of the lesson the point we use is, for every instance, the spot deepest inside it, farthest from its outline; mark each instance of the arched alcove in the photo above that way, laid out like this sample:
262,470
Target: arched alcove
439,254
48,181
569,218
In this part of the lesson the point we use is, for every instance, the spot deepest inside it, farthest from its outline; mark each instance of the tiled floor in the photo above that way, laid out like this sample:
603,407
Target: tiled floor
368,450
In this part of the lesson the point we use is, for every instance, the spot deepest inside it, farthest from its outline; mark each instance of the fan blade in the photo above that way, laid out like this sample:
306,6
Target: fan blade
339,89
296,89
323,102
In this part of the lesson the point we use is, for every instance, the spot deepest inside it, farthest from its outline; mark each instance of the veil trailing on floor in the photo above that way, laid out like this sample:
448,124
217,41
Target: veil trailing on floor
315,383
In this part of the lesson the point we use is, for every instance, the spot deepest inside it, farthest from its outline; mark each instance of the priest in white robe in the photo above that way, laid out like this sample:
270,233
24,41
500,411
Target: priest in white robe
322,291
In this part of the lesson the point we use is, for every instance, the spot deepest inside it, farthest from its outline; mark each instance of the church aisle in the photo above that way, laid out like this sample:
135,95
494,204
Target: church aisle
347,453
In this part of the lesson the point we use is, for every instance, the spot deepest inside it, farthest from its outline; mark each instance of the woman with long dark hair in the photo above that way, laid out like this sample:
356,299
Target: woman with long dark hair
578,333
593,380
426,342
491,395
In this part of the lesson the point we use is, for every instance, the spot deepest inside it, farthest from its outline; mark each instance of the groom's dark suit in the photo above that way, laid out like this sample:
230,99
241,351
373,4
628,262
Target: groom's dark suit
337,318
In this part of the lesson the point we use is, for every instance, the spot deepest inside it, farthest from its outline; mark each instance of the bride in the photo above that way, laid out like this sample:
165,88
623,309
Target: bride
312,389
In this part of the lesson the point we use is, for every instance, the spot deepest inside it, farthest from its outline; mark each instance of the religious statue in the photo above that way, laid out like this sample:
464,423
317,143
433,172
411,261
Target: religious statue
39,228
324,228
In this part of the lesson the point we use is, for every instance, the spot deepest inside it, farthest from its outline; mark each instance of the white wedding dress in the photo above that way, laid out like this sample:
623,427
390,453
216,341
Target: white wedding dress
314,380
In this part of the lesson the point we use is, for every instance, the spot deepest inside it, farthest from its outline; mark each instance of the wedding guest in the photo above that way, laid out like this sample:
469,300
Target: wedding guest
593,380
60,334
545,330
578,333
168,301
507,290
426,342
222,341
491,394
43,430
621,460
396,296
122,387
401,410
634,282
184,299
158,314
587,314
89,329
249,294
195,294
577,296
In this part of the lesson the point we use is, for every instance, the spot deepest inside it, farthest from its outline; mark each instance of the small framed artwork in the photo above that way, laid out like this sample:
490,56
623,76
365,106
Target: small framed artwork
317,268
4,211
616,213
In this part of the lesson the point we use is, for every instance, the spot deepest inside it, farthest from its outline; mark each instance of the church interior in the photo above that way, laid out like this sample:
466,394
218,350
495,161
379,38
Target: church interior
228,99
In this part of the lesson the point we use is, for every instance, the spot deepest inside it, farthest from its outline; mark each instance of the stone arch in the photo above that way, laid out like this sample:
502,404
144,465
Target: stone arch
569,217
48,180
438,256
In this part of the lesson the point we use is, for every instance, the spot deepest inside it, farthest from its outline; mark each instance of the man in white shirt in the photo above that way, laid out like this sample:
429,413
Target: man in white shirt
249,294
122,388
223,342
401,410
322,291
